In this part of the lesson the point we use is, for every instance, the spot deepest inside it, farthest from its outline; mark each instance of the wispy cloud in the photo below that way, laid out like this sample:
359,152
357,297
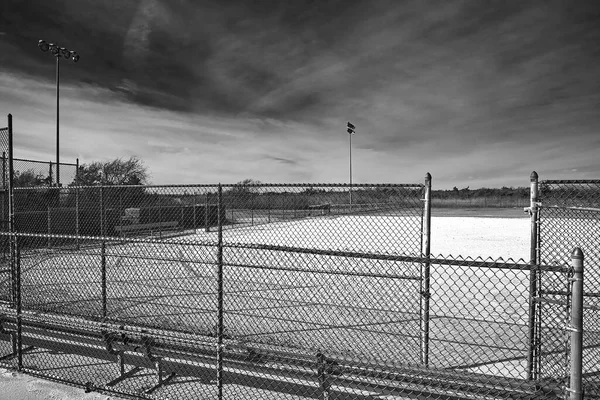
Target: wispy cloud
476,94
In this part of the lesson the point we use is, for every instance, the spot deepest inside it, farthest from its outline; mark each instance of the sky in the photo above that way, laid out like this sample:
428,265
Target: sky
478,93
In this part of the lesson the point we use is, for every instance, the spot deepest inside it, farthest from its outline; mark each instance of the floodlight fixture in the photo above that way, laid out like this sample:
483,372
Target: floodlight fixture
43,45
58,52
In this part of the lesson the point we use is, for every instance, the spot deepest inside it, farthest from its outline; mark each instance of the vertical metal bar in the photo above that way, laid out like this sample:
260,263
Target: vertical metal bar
18,308
102,210
103,282
49,229
533,288
4,207
220,310
77,202
323,376
206,208
57,122
159,216
426,277
3,170
11,209
195,222
576,385
121,211
50,173
350,191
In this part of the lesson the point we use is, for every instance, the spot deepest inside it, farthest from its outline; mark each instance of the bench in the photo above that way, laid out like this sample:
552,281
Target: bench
151,227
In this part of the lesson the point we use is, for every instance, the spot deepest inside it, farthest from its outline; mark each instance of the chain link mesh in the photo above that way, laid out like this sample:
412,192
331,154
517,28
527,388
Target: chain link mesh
29,173
263,291
569,217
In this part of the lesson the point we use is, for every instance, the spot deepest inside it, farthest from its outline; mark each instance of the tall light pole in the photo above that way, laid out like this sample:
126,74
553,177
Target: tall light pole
58,52
351,130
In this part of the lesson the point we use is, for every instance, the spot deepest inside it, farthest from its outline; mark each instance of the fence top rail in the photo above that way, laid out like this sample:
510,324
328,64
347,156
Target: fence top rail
236,185
43,162
573,181
593,209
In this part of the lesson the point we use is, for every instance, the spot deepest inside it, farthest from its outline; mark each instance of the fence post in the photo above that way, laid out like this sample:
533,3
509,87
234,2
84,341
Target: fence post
425,276
220,310
3,170
101,210
159,216
18,306
77,202
49,228
50,174
533,276
206,219
11,210
576,328
103,267
121,211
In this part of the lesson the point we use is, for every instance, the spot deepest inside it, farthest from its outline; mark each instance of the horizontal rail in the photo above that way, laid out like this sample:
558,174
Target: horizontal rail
572,181
572,208
42,162
325,271
237,186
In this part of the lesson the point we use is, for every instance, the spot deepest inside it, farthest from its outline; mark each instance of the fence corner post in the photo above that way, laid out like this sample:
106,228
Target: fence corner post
533,275
426,272
576,387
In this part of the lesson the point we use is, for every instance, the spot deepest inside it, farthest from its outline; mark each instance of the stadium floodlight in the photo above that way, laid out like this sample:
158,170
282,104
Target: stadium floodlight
351,129
58,52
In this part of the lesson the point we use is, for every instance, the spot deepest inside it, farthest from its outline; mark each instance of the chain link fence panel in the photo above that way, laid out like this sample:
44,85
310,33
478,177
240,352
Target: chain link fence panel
30,173
174,319
569,216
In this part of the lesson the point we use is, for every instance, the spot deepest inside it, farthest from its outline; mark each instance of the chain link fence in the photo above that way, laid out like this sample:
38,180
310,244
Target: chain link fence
569,215
30,173
177,319
263,291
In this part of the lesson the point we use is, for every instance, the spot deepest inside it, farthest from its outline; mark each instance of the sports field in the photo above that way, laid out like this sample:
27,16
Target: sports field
362,308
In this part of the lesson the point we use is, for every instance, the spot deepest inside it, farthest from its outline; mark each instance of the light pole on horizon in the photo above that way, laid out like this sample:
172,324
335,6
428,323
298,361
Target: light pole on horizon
58,52
351,129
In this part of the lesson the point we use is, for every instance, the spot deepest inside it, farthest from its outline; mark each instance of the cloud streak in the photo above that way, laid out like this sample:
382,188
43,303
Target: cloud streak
477,94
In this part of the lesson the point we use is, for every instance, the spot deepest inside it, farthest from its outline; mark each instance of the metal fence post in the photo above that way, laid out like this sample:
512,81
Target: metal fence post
3,170
220,310
533,289
11,210
77,202
425,275
103,267
576,387
18,307
206,219
102,210
49,228
159,216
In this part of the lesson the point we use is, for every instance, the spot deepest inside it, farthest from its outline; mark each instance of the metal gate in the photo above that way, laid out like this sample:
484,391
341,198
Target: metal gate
568,215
